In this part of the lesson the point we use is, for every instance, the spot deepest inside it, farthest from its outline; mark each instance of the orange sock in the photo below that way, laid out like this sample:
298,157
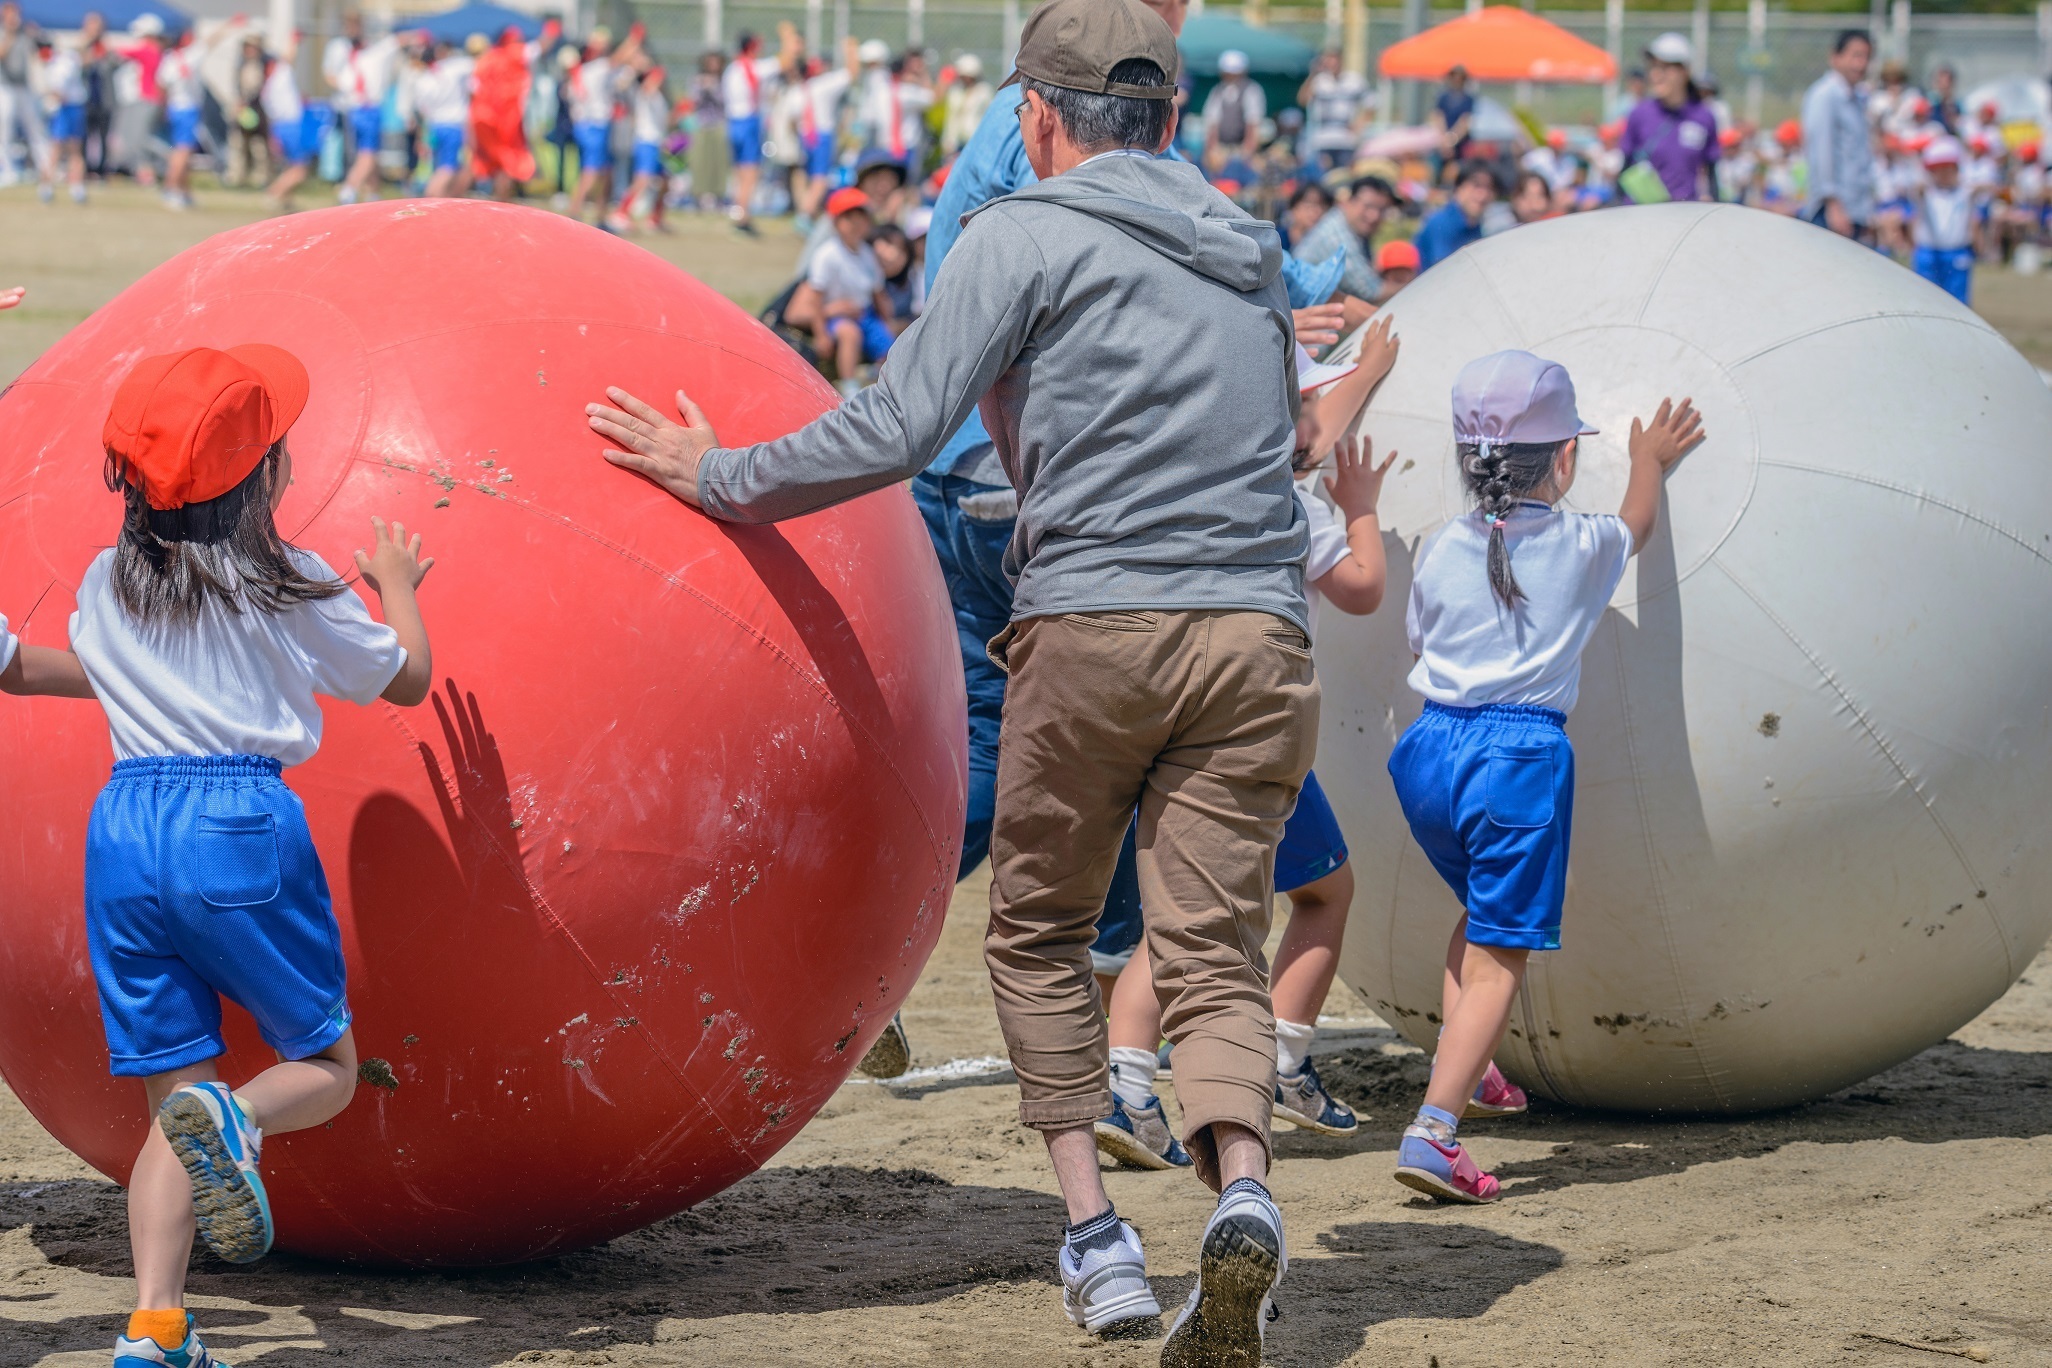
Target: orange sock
167,1328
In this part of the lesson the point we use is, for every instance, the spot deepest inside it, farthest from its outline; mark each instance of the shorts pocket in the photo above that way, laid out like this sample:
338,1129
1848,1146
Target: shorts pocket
1288,636
236,860
1519,786
1120,620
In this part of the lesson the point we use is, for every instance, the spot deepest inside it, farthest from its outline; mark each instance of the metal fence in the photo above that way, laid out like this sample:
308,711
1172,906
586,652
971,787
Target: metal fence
1764,59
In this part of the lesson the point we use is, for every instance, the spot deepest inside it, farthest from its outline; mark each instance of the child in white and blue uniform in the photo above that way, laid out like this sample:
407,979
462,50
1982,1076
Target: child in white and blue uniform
1503,601
1944,224
206,638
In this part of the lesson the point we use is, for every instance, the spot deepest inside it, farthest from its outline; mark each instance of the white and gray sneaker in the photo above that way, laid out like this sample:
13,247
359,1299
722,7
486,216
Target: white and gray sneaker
1242,1260
1105,1289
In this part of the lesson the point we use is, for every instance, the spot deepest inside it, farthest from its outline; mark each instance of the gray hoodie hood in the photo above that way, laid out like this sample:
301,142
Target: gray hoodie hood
1149,199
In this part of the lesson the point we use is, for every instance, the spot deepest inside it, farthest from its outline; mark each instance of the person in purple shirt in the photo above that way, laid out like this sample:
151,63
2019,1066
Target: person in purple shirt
1672,129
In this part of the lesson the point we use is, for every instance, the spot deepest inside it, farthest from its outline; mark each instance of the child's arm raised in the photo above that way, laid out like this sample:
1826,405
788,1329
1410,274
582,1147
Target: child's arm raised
394,569
1355,584
1655,446
41,670
1333,409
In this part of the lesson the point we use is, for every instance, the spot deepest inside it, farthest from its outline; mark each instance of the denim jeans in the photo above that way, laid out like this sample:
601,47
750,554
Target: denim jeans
970,543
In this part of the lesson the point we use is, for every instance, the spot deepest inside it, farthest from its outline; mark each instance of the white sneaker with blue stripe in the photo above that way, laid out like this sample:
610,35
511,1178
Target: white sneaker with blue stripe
1241,1261
1140,1136
133,1353
219,1146
1105,1290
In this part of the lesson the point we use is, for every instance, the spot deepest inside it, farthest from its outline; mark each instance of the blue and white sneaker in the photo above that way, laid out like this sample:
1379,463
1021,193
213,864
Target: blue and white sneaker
219,1147
1140,1136
1241,1261
129,1353
1106,1290
1301,1100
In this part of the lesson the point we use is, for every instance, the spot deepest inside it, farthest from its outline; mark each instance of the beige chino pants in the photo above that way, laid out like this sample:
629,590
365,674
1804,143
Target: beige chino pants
1205,721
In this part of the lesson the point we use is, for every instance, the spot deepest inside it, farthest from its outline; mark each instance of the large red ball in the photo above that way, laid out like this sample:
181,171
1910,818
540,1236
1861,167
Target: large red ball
625,904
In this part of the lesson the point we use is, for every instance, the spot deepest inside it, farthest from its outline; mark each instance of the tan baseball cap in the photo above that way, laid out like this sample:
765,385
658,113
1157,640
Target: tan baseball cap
1074,44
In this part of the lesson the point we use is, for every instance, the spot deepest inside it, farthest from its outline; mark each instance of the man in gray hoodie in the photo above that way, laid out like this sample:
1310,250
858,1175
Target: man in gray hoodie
1127,329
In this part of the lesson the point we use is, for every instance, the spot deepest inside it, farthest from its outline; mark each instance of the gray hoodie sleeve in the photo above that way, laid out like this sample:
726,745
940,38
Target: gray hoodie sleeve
977,321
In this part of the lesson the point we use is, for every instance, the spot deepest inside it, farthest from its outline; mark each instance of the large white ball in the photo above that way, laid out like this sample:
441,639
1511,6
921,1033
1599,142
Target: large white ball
1813,746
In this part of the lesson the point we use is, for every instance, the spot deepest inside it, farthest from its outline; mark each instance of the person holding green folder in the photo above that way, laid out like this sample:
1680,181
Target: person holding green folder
1670,138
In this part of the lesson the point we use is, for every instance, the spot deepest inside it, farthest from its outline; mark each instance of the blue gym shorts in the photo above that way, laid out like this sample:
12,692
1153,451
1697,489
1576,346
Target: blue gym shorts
202,883
648,159
876,336
184,130
594,146
445,143
67,123
1490,795
819,155
367,129
744,138
1312,846
1951,269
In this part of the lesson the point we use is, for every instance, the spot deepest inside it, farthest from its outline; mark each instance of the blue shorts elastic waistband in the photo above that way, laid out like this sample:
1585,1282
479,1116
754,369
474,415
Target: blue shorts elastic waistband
1526,713
197,769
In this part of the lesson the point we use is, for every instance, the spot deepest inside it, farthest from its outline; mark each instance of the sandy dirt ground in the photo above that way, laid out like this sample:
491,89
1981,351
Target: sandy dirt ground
916,1223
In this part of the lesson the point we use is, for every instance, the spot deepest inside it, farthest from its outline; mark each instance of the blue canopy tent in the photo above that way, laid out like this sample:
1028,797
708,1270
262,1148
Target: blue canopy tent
63,16
456,25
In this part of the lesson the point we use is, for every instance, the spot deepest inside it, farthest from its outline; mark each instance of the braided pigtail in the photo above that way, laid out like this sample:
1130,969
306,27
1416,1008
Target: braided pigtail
1499,475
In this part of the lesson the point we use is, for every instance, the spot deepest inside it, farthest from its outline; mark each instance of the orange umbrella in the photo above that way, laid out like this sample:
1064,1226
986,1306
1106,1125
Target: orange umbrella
1498,44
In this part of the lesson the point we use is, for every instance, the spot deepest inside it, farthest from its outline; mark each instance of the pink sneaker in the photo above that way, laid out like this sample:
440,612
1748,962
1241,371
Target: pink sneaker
1495,1095
1442,1171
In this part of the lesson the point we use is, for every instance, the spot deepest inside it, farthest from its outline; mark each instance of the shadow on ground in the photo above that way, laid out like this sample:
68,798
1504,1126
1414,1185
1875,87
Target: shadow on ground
1949,1092
784,1240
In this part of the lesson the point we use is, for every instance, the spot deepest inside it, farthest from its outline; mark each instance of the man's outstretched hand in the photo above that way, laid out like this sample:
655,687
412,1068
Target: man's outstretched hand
666,452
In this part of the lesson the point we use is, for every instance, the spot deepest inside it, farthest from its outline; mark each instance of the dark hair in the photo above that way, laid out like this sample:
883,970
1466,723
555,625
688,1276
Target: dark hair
1847,37
892,233
1527,177
1476,170
1499,474
168,563
1307,190
1378,185
1099,123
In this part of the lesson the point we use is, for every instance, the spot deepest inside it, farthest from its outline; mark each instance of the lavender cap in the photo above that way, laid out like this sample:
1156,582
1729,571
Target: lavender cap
1515,396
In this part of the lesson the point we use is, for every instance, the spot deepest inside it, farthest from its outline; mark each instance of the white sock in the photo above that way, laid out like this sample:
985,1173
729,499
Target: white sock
1292,1043
1132,1074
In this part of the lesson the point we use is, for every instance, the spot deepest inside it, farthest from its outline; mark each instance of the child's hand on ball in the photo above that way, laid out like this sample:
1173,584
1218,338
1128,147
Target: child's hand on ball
1673,433
10,298
1356,481
393,560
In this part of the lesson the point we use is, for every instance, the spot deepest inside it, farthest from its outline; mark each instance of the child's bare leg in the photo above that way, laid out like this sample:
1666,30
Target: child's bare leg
160,1219
1308,958
1456,951
1135,1011
296,1094
1490,976
847,347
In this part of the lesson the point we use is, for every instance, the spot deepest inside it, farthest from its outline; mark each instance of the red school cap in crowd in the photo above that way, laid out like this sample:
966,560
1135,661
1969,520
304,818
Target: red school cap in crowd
846,200
1398,255
1789,133
189,426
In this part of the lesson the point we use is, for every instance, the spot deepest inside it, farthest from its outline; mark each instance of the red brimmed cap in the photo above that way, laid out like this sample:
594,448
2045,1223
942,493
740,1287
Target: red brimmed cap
191,425
846,201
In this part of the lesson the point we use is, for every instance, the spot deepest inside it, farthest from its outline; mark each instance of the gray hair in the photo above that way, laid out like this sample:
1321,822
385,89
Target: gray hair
1101,123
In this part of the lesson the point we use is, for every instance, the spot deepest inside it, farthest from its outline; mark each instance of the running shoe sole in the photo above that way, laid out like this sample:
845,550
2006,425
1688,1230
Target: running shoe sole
890,1056
1475,1108
1432,1185
1136,1315
1235,1274
1125,1147
1310,1123
233,1211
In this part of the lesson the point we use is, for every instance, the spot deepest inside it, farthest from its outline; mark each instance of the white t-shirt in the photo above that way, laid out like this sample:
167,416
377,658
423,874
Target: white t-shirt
9,643
442,94
593,86
1471,649
1337,101
359,75
1328,541
231,683
823,96
651,116
743,96
178,76
64,77
845,277
1944,218
280,96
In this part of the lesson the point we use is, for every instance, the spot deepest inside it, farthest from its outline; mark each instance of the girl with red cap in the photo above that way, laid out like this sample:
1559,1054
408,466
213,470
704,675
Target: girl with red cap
207,636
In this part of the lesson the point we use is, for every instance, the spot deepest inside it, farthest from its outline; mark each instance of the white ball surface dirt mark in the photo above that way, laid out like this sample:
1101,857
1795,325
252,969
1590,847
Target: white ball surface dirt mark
1813,825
